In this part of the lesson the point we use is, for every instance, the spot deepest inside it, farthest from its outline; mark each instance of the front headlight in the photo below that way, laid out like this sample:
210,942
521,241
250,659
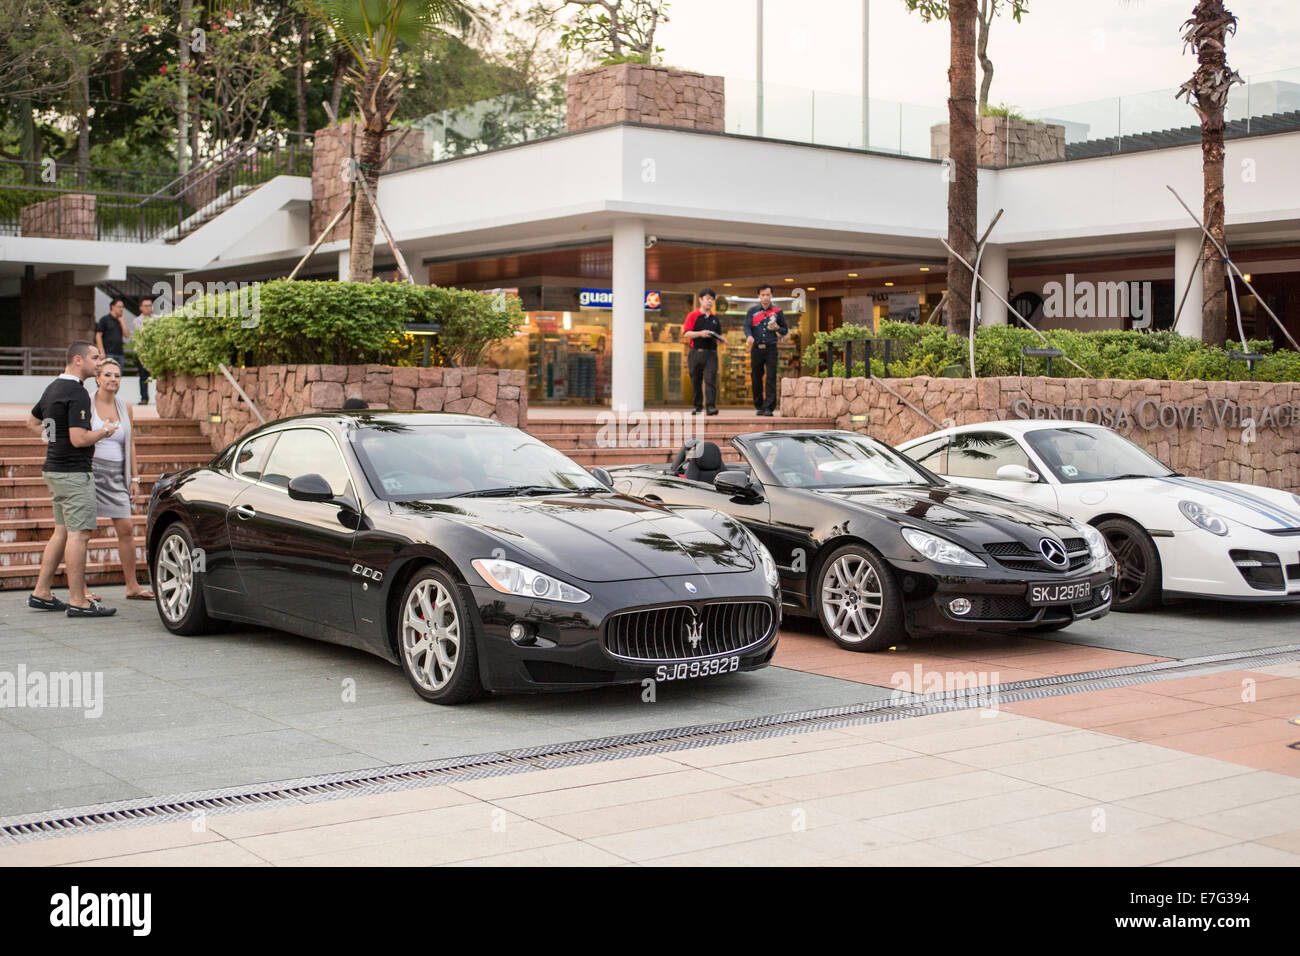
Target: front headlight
509,577
940,550
770,574
1203,517
1097,546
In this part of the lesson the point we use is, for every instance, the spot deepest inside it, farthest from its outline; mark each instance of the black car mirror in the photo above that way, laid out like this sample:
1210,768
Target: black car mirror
601,475
737,484
310,488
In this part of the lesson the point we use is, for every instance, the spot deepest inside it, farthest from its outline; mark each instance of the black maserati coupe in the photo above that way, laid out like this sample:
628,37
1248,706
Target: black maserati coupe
877,547
464,550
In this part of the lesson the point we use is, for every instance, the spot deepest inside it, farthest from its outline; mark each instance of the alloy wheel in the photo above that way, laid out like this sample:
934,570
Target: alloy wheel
1130,564
175,573
852,598
431,635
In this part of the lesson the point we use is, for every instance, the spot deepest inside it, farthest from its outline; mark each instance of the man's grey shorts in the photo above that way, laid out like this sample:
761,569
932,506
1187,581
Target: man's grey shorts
74,498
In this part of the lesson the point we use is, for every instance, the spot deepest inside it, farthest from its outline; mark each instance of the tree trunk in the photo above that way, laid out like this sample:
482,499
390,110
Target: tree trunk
982,48
83,127
340,74
300,75
361,266
29,149
183,79
1214,308
962,173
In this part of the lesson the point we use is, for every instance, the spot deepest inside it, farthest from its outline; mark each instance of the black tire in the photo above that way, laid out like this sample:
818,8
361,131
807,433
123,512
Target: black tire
1137,565
848,622
177,576
436,675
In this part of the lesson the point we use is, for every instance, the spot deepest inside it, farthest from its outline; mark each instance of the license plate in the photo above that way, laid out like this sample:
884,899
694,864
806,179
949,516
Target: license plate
688,669
1065,593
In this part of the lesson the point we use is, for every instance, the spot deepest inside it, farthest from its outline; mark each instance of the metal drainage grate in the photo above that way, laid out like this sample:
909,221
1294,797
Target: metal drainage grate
900,706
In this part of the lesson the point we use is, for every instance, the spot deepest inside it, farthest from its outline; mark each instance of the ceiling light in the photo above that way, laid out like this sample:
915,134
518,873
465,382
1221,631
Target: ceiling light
889,283
853,275
925,268
789,280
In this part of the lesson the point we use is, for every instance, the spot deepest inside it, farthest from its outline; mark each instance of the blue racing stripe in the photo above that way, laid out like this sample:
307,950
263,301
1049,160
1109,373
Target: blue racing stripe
1232,495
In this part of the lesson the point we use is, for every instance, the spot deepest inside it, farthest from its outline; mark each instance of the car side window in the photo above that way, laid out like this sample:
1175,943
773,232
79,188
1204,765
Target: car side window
251,461
981,454
306,451
932,454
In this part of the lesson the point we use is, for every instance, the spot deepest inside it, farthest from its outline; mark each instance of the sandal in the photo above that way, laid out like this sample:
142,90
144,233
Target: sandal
144,594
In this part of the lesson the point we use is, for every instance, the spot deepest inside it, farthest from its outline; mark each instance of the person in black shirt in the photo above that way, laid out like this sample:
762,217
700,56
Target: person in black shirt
701,330
111,332
62,416
764,329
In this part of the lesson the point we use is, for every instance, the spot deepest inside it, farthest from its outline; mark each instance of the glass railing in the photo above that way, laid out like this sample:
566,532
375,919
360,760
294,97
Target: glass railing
506,120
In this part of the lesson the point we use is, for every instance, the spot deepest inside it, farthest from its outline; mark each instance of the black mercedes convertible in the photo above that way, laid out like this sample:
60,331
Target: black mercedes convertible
877,547
464,550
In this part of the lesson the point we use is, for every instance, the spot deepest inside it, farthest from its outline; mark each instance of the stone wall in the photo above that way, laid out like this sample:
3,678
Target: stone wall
70,216
283,390
1208,438
330,190
1006,142
635,93
56,311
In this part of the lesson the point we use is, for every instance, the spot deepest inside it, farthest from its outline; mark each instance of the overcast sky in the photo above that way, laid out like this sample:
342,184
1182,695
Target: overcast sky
1062,52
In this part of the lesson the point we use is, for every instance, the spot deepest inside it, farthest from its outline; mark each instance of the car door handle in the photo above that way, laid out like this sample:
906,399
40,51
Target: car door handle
245,512
654,498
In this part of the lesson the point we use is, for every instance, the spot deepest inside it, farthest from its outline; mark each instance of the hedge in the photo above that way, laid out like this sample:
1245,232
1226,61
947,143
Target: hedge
326,323
929,349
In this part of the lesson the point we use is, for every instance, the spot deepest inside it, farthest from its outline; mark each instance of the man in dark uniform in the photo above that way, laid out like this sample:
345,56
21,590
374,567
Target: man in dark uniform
703,330
764,329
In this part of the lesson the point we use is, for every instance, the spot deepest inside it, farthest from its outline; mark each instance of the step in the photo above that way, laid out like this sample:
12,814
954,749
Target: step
40,529
101,550
98,573
17,427
160,464
35,488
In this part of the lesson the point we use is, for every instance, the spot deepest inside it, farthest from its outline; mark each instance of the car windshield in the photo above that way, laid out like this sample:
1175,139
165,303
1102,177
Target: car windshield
1092,454
833,460
416,462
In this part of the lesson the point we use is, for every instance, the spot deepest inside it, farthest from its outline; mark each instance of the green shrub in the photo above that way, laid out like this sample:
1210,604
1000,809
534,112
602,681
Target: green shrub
928,349
327,323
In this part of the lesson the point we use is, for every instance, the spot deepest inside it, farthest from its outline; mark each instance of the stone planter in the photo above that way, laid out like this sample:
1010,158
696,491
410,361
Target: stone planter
1206,437
635,93
283,390
71,216
1006,142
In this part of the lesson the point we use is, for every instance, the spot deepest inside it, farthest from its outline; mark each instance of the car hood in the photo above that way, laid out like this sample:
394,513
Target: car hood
976,517
597,538
1266,509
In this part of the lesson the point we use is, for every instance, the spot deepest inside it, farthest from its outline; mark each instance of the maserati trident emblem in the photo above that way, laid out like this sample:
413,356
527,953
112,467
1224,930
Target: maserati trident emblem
695,631
691,587
1054,552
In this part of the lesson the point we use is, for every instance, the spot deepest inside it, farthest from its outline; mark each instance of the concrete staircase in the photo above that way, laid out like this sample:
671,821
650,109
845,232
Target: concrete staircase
26,516
594,441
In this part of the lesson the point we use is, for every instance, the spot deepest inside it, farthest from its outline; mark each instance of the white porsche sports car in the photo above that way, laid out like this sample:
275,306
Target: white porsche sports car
1172,536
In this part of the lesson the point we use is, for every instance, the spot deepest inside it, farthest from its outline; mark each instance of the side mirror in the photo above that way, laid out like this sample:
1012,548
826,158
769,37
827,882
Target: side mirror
737,484
310,488
1017,473
601,475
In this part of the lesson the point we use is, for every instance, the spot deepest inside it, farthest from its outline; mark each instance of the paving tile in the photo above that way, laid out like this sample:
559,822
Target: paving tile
1254,821
559,854
220,853
1241,854
564,778
613,793
1016,838
1000,808
80,847
233,826
1213,796
1144,847
1150,778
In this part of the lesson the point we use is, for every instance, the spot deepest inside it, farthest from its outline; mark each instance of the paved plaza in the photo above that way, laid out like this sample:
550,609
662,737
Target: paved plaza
1139,761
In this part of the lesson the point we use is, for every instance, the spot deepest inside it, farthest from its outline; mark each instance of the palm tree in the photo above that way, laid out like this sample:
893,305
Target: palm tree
373,32
1207,91
962,15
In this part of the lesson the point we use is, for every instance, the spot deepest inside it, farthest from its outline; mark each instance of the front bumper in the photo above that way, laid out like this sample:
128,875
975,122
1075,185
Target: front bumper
1001,603
1195,563
569,651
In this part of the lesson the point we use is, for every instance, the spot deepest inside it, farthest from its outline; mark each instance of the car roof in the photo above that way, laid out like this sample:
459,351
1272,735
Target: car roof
1018,426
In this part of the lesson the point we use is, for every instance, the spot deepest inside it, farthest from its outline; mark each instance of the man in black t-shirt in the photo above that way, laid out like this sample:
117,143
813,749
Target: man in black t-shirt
703,330
764,329
62,416
111,332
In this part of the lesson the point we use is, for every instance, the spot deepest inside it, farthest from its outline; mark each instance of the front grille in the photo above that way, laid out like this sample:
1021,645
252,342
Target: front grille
1021,557
1261,570
999,607
1094,602
665,633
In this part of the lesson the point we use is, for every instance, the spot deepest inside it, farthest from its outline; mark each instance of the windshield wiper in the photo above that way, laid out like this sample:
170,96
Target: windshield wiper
1130,475
513,491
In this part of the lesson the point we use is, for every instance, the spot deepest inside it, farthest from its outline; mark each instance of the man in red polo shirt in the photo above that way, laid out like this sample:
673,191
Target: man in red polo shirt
703,330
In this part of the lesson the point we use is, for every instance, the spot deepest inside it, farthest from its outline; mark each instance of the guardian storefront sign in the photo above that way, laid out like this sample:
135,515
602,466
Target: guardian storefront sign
1149,414
604,299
